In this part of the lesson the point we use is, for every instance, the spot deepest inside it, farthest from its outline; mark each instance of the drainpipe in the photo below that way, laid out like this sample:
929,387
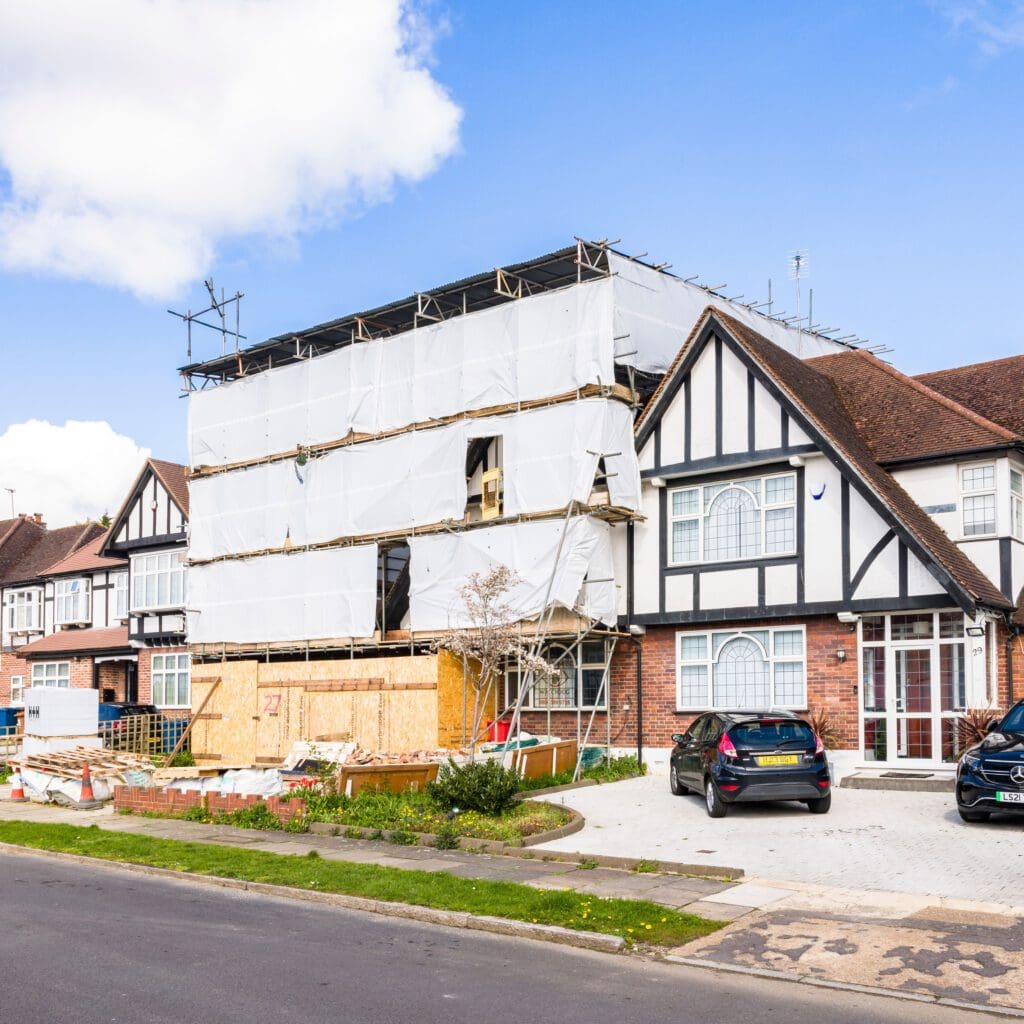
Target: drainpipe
1011,636
636,634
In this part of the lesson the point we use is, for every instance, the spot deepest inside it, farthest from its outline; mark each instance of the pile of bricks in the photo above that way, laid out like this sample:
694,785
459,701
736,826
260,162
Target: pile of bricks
138,799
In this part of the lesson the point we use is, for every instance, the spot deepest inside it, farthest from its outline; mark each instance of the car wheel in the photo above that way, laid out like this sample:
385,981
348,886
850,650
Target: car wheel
674,784
713,800
974,817
820,806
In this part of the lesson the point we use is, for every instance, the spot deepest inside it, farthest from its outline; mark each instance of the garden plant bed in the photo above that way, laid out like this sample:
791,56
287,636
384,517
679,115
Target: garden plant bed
637,922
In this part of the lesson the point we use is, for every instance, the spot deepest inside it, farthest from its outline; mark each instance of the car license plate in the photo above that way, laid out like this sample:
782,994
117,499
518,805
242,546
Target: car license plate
1003,797
773,760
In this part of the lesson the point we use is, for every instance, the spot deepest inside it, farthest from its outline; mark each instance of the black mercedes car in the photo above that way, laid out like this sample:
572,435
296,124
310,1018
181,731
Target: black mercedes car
743,756
990,775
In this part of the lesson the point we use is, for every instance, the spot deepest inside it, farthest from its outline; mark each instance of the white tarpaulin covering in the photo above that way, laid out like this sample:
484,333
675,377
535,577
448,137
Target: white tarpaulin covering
306,595
416,479
532,348
658,312
441,564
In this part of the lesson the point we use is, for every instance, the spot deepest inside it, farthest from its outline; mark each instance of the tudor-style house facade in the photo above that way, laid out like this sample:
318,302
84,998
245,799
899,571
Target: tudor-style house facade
150,532
823,534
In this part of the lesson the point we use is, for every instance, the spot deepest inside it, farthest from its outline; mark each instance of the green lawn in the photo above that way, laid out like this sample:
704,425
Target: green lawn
634,920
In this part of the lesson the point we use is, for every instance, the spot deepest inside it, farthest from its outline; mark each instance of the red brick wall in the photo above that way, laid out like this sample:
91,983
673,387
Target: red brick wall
831,685
137,799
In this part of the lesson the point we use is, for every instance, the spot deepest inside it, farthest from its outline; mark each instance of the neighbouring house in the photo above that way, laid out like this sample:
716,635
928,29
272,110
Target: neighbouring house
149,533
825,533
37,608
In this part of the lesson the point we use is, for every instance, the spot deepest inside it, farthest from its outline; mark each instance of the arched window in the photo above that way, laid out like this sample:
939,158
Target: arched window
733,526
742,675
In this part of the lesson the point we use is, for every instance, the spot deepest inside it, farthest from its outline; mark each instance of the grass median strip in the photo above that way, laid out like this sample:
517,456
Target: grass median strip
634,920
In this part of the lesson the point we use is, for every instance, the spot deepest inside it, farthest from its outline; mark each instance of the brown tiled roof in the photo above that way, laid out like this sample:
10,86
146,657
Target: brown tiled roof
49,546
899,417
87,559
17,538
78,641
813,393
175,479
994,389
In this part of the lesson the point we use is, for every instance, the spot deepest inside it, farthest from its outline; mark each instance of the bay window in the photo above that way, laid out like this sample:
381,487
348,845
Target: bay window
721,522
158,581
748,669
978,499
23,610
121,595
1017,503
579,682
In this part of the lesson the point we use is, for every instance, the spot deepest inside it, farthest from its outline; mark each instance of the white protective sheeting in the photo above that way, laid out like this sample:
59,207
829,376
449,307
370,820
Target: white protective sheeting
658,312
441,564
306,595
414,480
532,348
396,483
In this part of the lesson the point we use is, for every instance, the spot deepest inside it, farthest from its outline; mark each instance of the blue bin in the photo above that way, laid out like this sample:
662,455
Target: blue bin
9,717
170,732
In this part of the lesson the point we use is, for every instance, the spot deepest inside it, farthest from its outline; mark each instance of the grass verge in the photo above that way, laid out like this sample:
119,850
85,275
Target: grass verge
637,921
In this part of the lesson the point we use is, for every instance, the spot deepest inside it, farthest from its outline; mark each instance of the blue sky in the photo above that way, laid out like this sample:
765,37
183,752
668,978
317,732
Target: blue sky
885,138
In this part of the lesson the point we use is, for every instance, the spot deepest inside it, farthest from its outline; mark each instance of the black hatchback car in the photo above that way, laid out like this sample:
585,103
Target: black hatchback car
745,756
990,775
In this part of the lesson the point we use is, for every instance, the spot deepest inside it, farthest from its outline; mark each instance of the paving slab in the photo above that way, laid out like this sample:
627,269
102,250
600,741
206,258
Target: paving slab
750,894
715,911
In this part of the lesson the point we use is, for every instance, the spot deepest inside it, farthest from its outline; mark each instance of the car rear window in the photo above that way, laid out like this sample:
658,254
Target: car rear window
771,733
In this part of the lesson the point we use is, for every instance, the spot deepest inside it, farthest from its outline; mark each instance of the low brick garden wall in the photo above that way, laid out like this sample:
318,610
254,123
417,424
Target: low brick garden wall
138,799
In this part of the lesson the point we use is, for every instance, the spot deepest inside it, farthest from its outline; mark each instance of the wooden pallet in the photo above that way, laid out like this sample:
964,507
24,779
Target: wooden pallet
68,764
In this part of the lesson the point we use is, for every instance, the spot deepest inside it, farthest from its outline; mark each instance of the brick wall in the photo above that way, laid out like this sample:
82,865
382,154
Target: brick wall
831,685
138,799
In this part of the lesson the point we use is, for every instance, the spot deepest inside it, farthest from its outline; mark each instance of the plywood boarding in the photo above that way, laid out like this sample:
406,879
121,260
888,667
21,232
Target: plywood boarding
227,729
260,709
455,702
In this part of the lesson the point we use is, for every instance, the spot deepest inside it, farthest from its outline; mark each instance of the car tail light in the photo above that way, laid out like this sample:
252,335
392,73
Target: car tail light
730,788
726,747
824,783
819,747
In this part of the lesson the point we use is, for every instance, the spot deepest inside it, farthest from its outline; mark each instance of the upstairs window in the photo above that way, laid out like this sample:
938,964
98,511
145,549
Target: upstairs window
158,582
71,602
121,595
23,611
978,496
731,521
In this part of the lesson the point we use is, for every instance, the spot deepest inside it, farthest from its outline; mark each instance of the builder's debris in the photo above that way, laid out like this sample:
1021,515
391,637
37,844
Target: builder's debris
56,776
363,757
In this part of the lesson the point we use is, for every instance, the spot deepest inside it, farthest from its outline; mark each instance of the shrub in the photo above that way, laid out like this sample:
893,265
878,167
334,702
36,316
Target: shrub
973,726
256,815
483,786
198,813
826,727
182,759
446,836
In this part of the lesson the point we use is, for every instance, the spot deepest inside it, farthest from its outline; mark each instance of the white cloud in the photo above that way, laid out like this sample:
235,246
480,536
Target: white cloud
997,27
137,134
69,473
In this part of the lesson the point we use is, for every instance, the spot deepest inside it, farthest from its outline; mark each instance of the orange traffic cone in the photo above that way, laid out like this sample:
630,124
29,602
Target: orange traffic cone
87,799
17,787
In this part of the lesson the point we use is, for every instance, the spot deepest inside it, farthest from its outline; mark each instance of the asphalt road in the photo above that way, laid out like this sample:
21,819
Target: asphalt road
86,945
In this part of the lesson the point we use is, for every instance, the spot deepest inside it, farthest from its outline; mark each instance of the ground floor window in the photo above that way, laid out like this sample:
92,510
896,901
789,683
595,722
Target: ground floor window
171,677
17,689
754,668
579,683
914,685
52,673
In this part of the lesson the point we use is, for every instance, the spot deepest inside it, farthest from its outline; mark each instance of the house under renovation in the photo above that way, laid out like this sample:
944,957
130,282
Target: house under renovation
346,481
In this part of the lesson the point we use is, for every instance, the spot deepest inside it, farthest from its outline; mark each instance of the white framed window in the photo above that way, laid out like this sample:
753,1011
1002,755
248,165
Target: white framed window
17,690
120,595
748,669
978,499
52,673
580,684
1017,503
733,520
171,677
158,581
23,610
72,602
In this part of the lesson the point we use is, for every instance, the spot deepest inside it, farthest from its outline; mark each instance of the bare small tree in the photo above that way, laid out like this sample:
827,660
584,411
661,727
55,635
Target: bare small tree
490,641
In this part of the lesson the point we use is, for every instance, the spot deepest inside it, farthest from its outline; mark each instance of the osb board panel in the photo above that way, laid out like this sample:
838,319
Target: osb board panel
391,778
395,671
455,702
546,758
226,728
566,753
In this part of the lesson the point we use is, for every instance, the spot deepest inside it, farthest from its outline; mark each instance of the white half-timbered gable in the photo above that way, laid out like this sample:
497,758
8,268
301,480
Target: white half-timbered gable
150,530
755,508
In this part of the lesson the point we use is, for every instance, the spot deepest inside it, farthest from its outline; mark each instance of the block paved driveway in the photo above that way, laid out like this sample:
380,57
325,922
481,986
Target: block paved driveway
911,843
